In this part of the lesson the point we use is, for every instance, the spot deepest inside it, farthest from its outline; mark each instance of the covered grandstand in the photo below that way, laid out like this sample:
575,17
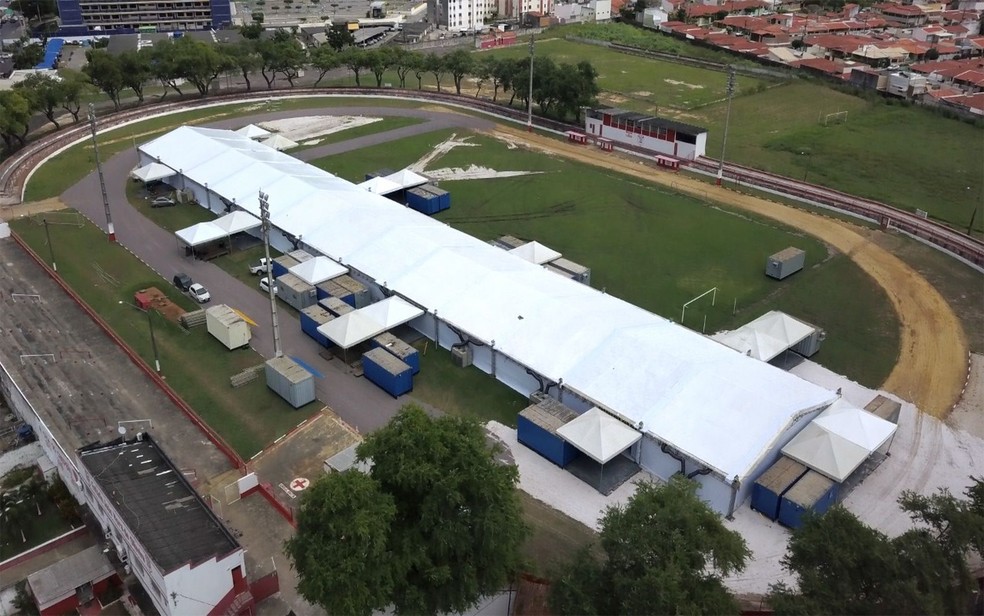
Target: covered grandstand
701,408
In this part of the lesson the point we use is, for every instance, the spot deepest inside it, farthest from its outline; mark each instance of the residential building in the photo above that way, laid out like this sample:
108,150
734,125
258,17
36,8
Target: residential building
84,17
462,15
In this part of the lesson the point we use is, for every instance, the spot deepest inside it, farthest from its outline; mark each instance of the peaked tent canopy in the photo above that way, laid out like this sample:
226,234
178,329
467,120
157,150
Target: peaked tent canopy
317,270
236,222
406,178
252,131
351,328
767,336
392,311
599,435
201,233
825,452
380,186
535,252
279,142
856,425
152,172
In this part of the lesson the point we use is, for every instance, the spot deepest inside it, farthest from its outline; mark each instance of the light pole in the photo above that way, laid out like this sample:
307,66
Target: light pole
102,182
265,226
727,119
51,249
153,338
529,100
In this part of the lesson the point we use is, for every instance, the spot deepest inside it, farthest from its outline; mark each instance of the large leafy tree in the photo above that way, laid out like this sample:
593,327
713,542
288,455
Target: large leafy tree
200,63
27,55
459,63
338,37
15,117
354,59
245,58
74,86
45,94
324,59
379,61
164,66
403,63
136,71
452,536
665,552
106,73
436,66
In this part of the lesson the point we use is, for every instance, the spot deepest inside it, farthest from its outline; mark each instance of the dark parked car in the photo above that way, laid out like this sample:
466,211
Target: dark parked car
183,281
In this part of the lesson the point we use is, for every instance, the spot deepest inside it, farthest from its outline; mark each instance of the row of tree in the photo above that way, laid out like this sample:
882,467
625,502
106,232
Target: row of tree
436,525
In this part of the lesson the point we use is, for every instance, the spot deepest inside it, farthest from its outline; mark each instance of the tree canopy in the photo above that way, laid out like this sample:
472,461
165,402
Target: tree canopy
435,526
666,552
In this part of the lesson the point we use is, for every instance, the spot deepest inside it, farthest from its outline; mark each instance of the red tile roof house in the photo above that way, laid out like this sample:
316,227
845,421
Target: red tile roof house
904,15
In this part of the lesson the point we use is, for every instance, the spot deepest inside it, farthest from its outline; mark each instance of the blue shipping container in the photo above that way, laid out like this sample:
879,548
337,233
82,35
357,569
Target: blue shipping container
544,442
389,373
444,197
313,317
281,264
813,492
336,306
773,483
399,349
423,202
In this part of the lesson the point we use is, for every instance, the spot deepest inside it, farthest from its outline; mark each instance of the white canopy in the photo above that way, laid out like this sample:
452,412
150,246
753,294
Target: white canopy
599,435
392,311
201,233
351,328
767,336
152,172
279,142
317,270
252,131
825,452
856,425
535,252
236,222
406,178
380,186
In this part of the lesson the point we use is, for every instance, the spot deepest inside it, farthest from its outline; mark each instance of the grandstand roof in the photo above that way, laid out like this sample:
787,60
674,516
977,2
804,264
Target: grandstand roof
718,407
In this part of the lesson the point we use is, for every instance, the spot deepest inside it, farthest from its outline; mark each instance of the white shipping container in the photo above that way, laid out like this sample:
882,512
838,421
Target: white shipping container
227,326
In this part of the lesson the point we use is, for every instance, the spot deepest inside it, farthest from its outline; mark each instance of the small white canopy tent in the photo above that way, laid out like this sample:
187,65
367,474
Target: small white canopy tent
406,178
201,233
535,252
236,222
856,425
826,452
151,172
279,142
317,270
252,131
599,435
392,311
380,186
767,336
351,328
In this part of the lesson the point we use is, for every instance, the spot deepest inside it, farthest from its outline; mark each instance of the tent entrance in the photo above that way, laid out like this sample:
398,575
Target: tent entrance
602,439
606,478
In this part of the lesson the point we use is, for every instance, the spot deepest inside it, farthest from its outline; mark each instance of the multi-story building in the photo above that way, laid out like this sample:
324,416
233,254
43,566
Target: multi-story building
462,15
518,9
83,17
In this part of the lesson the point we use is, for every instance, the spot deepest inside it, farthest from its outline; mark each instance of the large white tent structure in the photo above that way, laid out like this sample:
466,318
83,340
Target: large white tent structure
700,406
236,222
152,172
200,233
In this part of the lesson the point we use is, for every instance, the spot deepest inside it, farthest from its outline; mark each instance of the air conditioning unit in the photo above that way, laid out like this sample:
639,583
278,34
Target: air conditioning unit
461,356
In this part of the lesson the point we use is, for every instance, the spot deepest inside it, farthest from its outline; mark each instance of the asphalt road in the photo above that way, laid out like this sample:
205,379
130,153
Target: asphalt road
358,402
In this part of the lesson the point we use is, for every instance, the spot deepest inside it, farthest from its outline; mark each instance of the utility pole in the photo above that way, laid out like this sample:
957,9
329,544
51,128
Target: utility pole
727,119
51,249
153,342
271,285
529,101
102,181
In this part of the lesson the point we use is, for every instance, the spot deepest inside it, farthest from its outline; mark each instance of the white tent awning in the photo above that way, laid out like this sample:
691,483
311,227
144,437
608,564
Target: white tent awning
380,186
767,336
406,178
599,435
535,252
392,311
825,452
253,131
152,172
236,222
201,233
351,328
279,142
317,270
856,425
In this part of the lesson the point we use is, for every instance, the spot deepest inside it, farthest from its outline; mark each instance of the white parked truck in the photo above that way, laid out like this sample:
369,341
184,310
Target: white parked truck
259,268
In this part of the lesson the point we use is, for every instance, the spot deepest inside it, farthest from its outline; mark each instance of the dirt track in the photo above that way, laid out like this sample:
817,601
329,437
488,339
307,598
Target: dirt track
932,363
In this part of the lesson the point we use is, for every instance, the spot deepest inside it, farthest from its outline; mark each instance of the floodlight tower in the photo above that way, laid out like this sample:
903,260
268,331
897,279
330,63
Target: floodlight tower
529,100
727,119
271,286
110,232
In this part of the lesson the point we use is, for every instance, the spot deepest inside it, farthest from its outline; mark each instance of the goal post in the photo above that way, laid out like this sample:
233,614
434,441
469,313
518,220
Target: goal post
837,117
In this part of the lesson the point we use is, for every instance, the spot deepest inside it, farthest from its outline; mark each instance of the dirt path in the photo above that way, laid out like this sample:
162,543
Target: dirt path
932,363
10,212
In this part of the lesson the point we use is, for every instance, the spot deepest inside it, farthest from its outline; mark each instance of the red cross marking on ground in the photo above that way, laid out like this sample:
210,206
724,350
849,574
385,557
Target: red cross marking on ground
299,484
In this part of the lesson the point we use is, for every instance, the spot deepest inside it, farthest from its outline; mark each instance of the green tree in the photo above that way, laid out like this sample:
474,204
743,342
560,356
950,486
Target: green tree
403,62
35,9
200,63
14,516
378,61
164,66
136,71
15,117
45,94
252,31
27,55
105,72
354,59
245,58
324,59
436,66
482,72
438,523
74,87
418,64
340,549
501,70
459,63
338,37
666,552
290,57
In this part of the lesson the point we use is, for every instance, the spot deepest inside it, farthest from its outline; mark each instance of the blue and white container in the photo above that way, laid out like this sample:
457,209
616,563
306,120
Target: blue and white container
389,373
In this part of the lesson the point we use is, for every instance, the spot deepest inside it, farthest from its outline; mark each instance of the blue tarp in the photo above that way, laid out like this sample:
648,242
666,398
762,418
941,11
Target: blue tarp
51,51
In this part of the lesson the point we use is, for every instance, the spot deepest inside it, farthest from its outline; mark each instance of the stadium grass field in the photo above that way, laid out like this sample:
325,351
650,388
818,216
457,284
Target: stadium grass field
655,248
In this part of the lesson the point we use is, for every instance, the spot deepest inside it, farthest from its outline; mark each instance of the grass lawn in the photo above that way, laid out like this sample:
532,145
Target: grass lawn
171,218
554,537
393,155
195,364
359,131
655,248
37,529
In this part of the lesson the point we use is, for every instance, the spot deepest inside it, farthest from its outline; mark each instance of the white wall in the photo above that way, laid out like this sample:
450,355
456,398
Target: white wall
197,589
686,151
602,9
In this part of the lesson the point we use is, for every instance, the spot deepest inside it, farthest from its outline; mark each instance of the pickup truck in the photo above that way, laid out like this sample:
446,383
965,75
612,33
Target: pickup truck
259,268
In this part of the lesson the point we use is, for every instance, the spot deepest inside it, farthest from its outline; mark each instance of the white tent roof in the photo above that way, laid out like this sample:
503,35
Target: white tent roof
406,178
318,270
152,172
391,312
767,336
236,222
279,142
252,131
599,435
689,391
856,425
380,186
535,252
825,452
201,233
351,328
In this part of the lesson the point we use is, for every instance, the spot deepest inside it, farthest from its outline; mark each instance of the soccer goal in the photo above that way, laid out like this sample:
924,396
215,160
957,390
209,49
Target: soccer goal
837,117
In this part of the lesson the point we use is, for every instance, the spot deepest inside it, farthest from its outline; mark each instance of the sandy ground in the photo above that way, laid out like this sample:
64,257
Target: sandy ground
473,172
968,415
10,212
307,130
932,365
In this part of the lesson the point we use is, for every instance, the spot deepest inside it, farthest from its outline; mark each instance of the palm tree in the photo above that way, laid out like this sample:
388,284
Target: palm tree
13,514
32,489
